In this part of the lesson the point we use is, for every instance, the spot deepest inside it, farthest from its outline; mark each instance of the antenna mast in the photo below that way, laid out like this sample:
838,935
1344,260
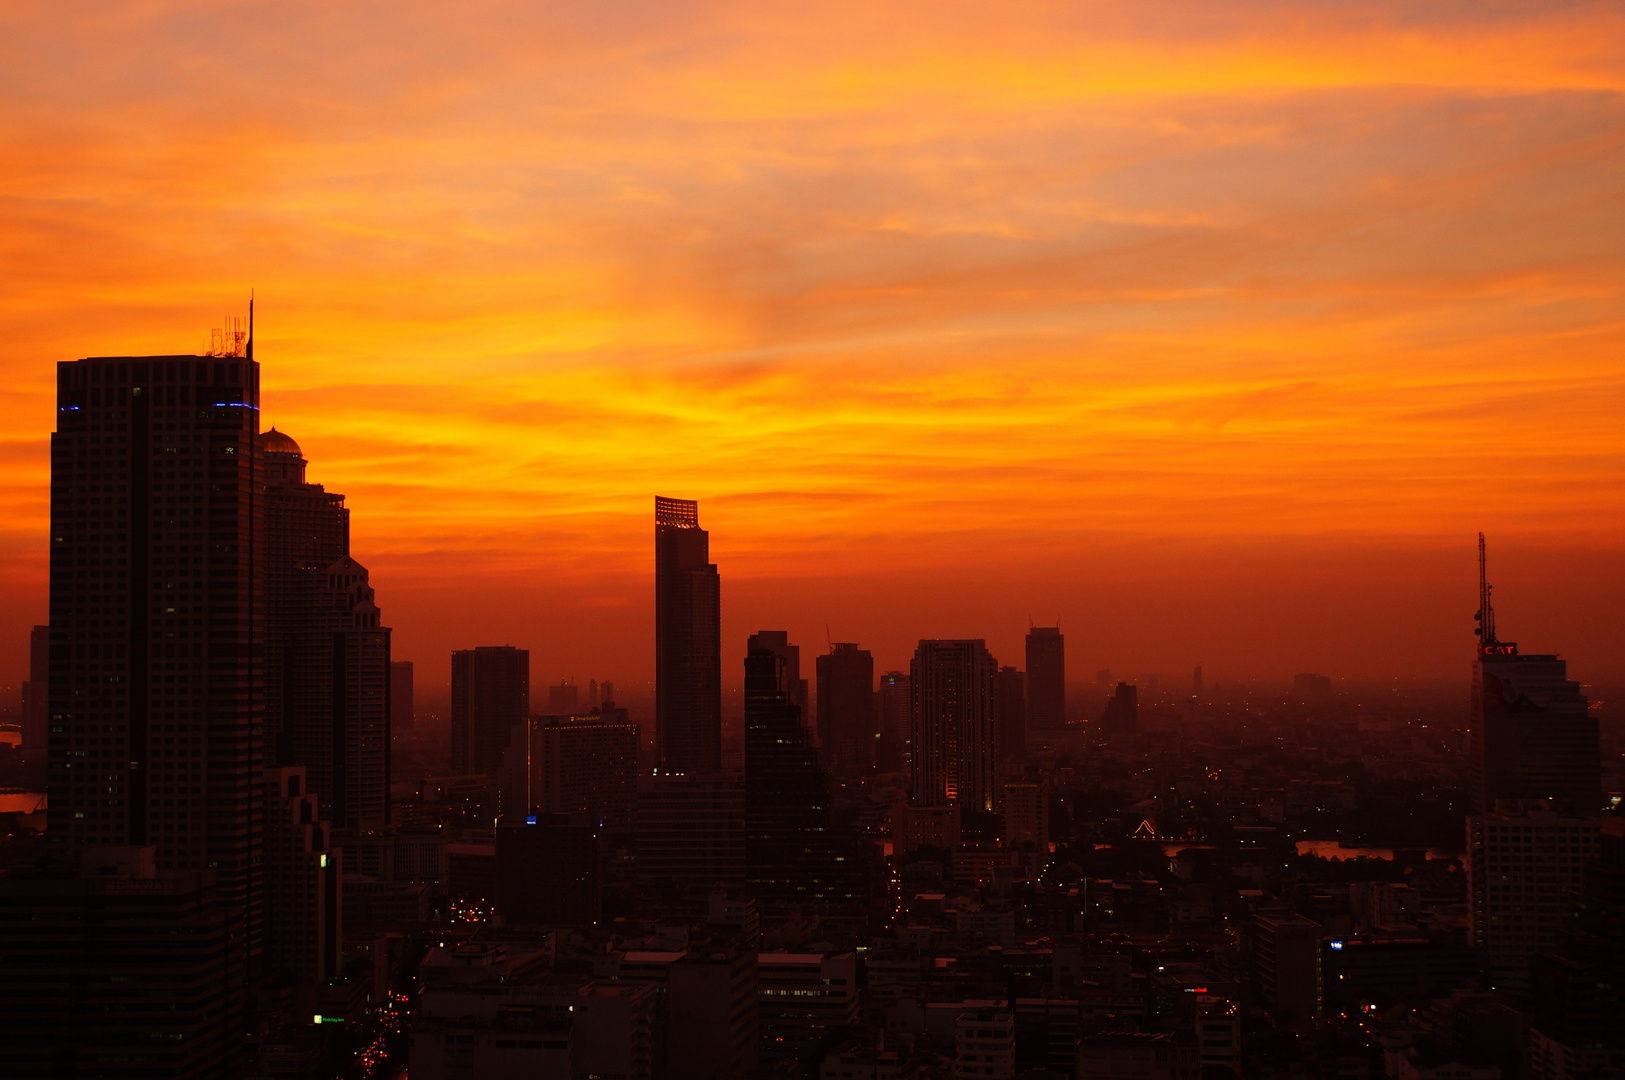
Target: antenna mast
1486,613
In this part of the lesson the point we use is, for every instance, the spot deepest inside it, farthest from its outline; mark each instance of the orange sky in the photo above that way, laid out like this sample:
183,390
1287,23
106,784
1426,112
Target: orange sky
1216,330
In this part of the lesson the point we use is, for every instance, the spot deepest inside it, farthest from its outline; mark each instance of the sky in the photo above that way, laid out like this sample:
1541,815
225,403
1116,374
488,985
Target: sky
1214,331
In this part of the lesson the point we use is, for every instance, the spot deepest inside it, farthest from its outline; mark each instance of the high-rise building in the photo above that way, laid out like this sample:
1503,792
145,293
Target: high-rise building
1532,736
688,642
1288,972
1046,678
563,699
893,704
1011,695
303,911
1121,716
690,831
36,703
954,741
490,693
327,651
119,970
156,615
579,765
848,729
1522,866
793,855
801,999
402,707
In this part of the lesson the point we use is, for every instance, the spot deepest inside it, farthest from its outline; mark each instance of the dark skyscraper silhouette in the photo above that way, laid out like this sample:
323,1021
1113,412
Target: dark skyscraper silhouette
1011,694
157,608
848,730
1046,678
954,726
327,652
36,693
490,693
1531,736
793,857
893,704
1121,715
688,642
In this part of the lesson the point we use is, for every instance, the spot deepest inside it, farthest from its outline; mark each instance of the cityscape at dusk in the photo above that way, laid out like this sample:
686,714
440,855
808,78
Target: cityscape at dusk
862,543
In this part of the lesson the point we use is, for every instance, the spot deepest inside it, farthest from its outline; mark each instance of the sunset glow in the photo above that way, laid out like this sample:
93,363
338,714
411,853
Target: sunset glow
1216,331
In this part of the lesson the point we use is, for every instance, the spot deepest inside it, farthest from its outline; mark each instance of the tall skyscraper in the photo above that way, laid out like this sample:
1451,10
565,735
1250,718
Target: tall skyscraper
1046,678
954,751
1532,736
157,609
1012,704
848,727
894,704
36,703
327,652
402,707
793,856
490,693
688,642
1121,716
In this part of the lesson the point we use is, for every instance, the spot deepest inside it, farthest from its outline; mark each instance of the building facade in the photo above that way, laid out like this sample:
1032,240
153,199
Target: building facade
490,694
1046,678
848,726
954,741
688,642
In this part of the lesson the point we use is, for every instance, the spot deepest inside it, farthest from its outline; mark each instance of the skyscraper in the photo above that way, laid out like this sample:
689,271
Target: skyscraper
157,607
1012,705
1046,678
1531,736
954,751
688,642
327,652
36,703
1121,716
848,728
490,693
792,855
402,707
893,703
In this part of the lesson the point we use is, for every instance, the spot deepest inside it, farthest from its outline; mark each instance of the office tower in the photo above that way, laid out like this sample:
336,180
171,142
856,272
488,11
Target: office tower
1531,736
1010,695
94,964
690,831
563,699
156,616
688,642
954,743
802,998
582,765
327,650
778,643
1288,974
848,728
36,704
608,692
402,708
303,911
793,856
549,871
1046,678
1578,1026
894,704
490,693
1121,715
1026,814
1522,864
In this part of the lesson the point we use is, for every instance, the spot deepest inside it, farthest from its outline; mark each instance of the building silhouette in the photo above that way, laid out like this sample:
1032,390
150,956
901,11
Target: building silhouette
36,693
156,631
893,706
402,706
1121,716
327,661
1011,695
490,693
793,855
848,726
690,831
575,765
954,742
688,642
1046,678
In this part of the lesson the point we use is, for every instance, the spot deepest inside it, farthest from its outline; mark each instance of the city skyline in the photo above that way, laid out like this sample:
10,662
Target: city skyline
1189,331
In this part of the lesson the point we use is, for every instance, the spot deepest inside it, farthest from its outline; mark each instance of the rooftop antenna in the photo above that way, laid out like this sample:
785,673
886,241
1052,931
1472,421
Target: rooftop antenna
250,348
1486,613
828,640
